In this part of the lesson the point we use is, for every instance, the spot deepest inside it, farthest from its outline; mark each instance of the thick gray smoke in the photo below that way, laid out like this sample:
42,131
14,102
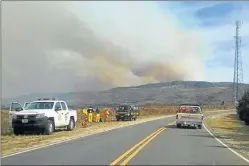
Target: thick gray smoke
48,48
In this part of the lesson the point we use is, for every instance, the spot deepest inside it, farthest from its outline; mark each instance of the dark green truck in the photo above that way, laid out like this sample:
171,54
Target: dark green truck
127,112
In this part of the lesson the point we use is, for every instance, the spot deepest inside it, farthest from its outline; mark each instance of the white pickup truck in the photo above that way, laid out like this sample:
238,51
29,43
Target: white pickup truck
189,115
44,115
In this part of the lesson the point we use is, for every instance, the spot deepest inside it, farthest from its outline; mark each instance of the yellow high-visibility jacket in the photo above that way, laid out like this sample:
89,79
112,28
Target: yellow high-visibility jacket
84,111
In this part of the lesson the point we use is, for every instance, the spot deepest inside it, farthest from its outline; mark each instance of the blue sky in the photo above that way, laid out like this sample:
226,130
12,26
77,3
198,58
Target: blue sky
216,19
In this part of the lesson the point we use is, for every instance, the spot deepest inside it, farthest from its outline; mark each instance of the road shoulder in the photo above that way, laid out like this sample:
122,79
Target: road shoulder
232,132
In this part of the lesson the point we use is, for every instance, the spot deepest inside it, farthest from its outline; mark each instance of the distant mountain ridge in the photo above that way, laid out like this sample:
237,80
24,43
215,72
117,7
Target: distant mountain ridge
169,93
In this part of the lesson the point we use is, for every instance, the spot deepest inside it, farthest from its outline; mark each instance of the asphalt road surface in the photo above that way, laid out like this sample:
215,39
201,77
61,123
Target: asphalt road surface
168,145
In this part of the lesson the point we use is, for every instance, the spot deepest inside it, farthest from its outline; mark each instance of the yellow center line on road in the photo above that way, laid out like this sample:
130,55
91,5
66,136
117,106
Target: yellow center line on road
144,142
134,147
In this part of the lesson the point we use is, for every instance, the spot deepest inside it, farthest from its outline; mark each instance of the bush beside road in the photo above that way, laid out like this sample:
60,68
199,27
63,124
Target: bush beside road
243,108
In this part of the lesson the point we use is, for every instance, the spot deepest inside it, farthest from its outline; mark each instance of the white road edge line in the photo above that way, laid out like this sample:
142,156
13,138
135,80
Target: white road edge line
232,150
74,138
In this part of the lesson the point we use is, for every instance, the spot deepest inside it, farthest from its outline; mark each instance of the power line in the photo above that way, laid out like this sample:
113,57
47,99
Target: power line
238,70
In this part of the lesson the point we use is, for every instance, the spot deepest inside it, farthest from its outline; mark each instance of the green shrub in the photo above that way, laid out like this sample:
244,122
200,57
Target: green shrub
243,107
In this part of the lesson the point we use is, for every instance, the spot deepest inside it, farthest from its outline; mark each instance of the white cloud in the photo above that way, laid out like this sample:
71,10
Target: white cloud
216,36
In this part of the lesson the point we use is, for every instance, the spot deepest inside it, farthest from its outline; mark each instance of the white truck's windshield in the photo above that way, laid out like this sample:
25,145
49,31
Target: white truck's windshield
40,105
190,109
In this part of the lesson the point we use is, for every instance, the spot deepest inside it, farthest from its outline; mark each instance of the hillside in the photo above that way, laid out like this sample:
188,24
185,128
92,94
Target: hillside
170,93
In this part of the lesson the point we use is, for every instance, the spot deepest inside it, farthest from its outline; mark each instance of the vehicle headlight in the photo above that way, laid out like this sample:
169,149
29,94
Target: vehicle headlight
128,114
14,116
40,115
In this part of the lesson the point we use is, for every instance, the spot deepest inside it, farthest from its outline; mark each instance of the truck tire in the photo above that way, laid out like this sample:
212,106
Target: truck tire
49,129
17,131
71,124
178,125
118,119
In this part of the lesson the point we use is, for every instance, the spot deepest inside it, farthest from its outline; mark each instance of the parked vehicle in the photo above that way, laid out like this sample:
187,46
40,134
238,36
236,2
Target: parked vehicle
127,112
43,115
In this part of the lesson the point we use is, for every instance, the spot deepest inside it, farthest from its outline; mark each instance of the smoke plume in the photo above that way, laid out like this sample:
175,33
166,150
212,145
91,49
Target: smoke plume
78,46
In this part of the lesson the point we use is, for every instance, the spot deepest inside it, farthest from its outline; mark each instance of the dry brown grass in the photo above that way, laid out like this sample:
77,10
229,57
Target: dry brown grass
12,144
4,123
230,130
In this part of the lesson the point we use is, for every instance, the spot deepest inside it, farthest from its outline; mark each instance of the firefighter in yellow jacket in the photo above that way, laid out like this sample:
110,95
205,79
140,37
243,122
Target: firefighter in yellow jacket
84,112
90,114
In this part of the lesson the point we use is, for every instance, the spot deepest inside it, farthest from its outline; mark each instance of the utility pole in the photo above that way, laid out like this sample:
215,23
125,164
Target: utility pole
238,70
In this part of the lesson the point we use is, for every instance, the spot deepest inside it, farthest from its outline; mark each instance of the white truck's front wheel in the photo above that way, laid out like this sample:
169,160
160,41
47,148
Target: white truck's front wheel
49,129
17,131
71,124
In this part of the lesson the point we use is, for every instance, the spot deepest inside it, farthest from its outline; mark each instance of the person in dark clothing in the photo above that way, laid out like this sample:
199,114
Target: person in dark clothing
97,115
97,110
90,114
90,109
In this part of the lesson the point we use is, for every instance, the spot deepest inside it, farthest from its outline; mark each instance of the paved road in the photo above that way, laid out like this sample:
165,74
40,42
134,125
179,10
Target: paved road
171,146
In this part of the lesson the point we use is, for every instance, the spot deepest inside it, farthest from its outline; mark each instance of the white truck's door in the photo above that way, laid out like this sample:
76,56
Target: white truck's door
65,114
14,108
59,120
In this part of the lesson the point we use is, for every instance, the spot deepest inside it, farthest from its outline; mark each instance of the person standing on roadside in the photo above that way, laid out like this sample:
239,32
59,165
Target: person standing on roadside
90,114
97,115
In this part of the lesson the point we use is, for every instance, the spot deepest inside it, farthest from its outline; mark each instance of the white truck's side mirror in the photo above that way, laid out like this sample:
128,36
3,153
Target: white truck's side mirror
25,104
14,108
